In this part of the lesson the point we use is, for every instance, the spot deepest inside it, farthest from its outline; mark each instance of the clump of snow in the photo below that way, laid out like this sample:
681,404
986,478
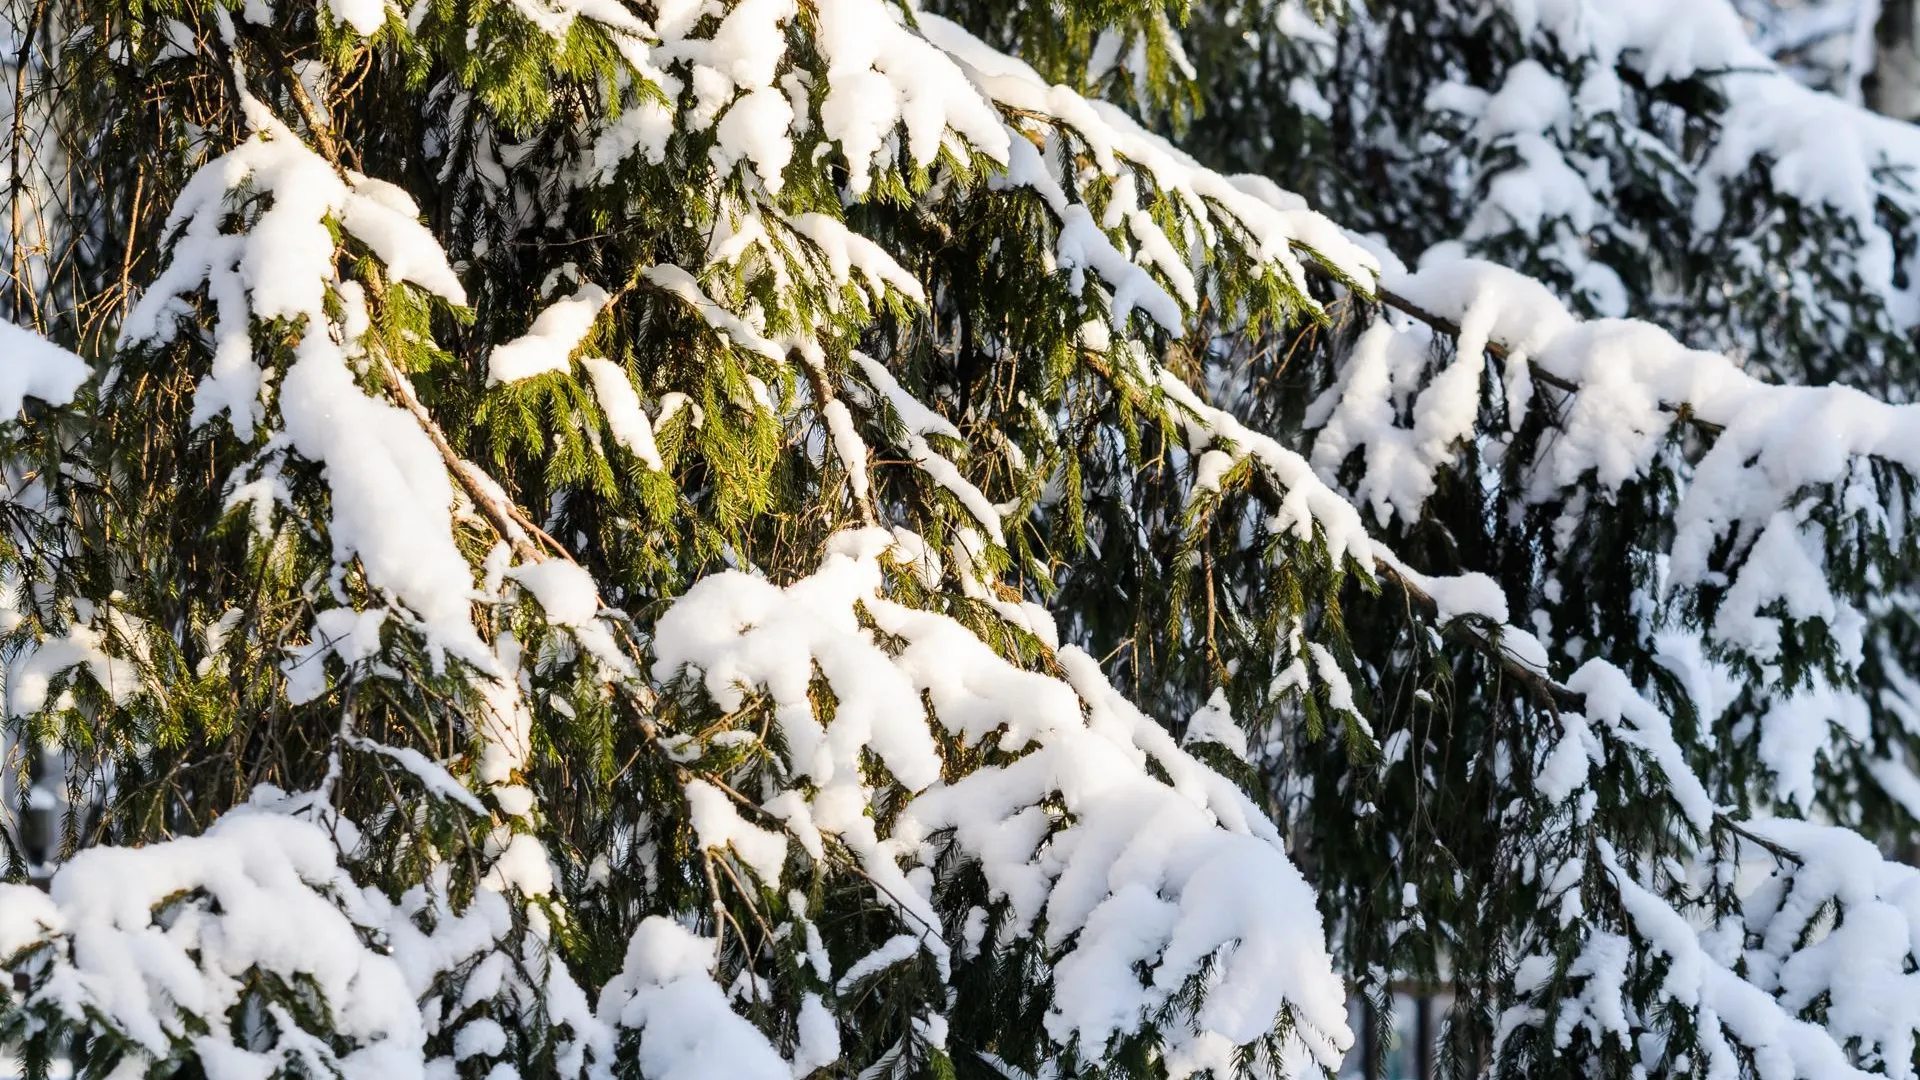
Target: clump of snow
819,1037
718,824
621,404
35,367
666,993
29,673
549,344
353,636
520,864
565,591
848,446
432,775
1307,505
365,16
1383,369
1214,723
1735,1011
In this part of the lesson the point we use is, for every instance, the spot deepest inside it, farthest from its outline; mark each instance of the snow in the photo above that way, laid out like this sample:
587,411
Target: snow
754,128
392,497
30,673
848,446
565,591
1400,463
432,776
1800,727
1529,118
1783,566
1214,723
1631,379
1339,690
521,865
1458,595
1196,841
897,949
719,826
854,259
1612,702
1246,212
920,422
35,367
1210,470
1564,770
621,404
353,636
386,219
479,1037
365,16
549,344
687,1031
506,725
919,419
678,282
260,892
1524,649
819,1037
1862,965
882,77
1732,1006
1144,873
1816,147
1308,506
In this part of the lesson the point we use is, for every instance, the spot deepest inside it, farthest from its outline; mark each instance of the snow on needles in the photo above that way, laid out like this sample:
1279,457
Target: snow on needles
1815,146
1144,872
1631,380
162,944
1145,267
254,889
35,367
883,81
549,344
392,498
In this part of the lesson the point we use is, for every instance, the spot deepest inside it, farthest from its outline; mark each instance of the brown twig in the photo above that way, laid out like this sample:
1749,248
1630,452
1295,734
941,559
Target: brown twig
310,113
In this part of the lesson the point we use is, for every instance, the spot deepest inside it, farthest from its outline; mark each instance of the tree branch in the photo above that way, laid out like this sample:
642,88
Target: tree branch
1541,686
1389,298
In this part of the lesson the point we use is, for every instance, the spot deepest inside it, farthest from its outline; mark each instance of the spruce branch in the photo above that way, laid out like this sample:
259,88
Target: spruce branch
1383,295
1388,567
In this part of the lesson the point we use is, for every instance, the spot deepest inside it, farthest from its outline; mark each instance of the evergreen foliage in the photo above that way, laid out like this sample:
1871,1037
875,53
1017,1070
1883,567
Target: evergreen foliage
579,538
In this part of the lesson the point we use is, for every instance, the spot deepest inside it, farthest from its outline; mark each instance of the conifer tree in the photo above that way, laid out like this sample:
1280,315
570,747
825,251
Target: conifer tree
577,538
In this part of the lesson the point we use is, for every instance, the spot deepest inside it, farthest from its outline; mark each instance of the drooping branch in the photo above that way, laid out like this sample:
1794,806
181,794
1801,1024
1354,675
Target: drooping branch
1388,298
1389,567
